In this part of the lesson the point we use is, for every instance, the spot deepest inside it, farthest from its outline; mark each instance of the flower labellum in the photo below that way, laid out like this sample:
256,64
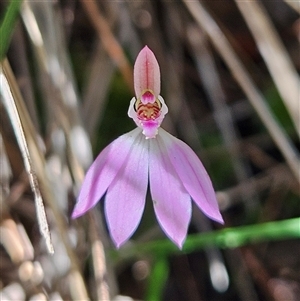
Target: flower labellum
148,154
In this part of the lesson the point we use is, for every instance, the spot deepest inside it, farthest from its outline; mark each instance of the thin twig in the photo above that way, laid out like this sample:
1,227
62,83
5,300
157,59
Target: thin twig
279,174
41,175
239,72
207,70
20,65
95,95
9,103
99,261
110,43
293,4
275,55
61,95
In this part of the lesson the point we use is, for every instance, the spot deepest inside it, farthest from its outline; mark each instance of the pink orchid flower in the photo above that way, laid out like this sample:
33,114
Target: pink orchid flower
148,153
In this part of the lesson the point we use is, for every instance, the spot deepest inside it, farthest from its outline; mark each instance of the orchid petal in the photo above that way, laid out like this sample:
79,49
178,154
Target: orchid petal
103,171
172,203
125,197
146,73
193,175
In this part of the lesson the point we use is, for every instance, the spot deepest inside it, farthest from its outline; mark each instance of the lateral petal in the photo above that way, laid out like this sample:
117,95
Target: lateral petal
125,198
193,175
103,170
172,203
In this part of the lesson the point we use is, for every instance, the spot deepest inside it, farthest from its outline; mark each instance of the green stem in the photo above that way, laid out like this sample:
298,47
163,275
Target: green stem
157,279
7,26
225,238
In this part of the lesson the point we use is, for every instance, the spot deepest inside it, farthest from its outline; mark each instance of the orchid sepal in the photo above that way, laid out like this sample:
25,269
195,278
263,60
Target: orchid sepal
146,73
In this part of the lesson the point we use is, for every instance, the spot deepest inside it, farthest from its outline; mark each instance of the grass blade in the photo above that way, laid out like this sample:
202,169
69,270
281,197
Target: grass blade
8,25
9,103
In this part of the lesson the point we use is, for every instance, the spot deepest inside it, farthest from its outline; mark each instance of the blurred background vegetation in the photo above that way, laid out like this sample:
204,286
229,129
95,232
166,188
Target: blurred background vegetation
230,80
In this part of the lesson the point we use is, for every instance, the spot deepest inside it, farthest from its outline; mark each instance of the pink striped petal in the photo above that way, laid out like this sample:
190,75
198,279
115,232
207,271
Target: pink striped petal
146,73
103,171
125,198
193,175
172,203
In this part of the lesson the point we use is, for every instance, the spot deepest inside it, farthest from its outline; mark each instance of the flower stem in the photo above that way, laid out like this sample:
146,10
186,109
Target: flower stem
225,238
157,279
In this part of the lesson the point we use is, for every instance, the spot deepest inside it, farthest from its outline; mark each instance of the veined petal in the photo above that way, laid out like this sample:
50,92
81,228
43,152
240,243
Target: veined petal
103,171
172,203
125,197
146,73
193,175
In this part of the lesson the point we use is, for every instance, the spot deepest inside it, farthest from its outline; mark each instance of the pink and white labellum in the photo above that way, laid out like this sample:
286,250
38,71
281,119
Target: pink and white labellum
148,154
